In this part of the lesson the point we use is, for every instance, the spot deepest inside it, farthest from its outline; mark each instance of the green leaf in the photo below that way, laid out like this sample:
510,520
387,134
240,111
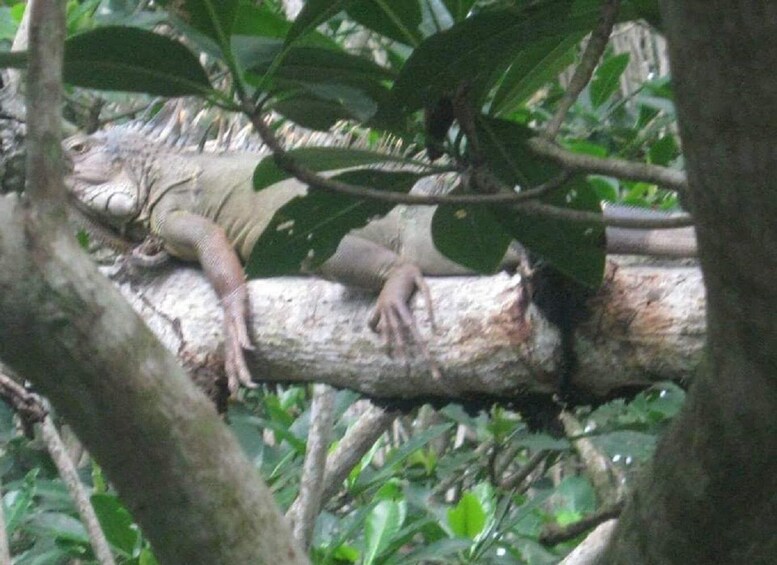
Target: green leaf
458,9
467,518
538,442
606,188
17,503
314,86
134,60
7,24
436,551
395,19
212,18
147,557
398,456
317,65
478,49
321,159
306,232
470,236
116,522
606,78
314,13
664,151
58,525
382,525
574,248
261,21
320,108
13,59
532,68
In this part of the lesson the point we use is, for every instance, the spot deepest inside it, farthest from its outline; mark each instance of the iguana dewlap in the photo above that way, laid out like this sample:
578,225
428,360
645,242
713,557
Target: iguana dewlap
203,207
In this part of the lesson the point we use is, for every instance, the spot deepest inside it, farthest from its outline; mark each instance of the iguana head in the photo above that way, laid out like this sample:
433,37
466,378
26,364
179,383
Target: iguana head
105,181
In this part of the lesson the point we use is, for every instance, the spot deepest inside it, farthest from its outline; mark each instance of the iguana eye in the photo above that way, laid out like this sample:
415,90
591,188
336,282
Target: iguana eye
78,147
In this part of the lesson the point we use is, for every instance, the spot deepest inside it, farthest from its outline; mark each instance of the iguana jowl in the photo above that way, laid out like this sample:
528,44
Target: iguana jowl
202,207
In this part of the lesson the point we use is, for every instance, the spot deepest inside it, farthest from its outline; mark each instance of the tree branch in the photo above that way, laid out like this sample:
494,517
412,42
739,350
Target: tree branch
525,201
307,506
597,43
620,168
65,328
486,344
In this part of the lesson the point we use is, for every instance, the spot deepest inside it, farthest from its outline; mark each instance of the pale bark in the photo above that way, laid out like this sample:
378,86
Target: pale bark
709,493
647,326
306,507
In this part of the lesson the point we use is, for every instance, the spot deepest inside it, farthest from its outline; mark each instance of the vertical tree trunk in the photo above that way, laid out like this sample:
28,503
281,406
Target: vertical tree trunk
710,495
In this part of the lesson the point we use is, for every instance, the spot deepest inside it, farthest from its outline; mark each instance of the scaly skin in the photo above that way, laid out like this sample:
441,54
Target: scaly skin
202,207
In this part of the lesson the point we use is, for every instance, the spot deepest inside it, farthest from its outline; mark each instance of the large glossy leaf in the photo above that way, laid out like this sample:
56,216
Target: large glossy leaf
319,65
320,159
134,60
314,87
477,50
212,18
308,229
459,8
470,236
397,19
116,522
574,248
314,13
261,21
383,524
467,518
534,67
320,107
606,79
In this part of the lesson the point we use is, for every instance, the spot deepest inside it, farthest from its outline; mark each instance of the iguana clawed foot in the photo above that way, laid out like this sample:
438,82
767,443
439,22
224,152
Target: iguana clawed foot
393,319
236,340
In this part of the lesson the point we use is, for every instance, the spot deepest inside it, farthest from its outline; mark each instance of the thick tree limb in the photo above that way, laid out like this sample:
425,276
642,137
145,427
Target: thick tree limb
648,326
64,328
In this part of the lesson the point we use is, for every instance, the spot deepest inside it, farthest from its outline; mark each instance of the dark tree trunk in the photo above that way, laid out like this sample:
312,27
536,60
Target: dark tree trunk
710,495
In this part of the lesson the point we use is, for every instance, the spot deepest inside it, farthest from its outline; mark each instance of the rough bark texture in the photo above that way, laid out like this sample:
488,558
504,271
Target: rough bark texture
647,326
710,495
160,441
63,327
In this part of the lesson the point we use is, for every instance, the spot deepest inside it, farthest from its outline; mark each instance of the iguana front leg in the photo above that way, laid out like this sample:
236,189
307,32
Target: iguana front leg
190,236
363,263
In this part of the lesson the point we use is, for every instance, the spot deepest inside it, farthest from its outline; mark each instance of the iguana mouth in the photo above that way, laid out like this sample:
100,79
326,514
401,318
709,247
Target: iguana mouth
93,178
107,235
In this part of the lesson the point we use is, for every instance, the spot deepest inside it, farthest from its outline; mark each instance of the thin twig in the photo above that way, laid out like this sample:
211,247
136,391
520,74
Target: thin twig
593,52
291,166
610,221
5,551
515,480
30,408
553,534
356,442
667,178
525,201
305,509
67,471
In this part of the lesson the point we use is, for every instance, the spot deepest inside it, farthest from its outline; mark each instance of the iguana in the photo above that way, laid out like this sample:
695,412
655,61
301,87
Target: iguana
202,207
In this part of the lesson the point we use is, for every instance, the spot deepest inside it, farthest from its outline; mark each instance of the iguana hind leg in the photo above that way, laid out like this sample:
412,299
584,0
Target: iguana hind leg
366,264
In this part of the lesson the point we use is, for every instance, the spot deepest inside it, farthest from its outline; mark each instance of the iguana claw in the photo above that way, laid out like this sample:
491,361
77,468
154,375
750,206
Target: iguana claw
236,340
393,319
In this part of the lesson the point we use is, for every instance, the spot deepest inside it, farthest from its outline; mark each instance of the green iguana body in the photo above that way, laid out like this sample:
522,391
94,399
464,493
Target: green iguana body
203,207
